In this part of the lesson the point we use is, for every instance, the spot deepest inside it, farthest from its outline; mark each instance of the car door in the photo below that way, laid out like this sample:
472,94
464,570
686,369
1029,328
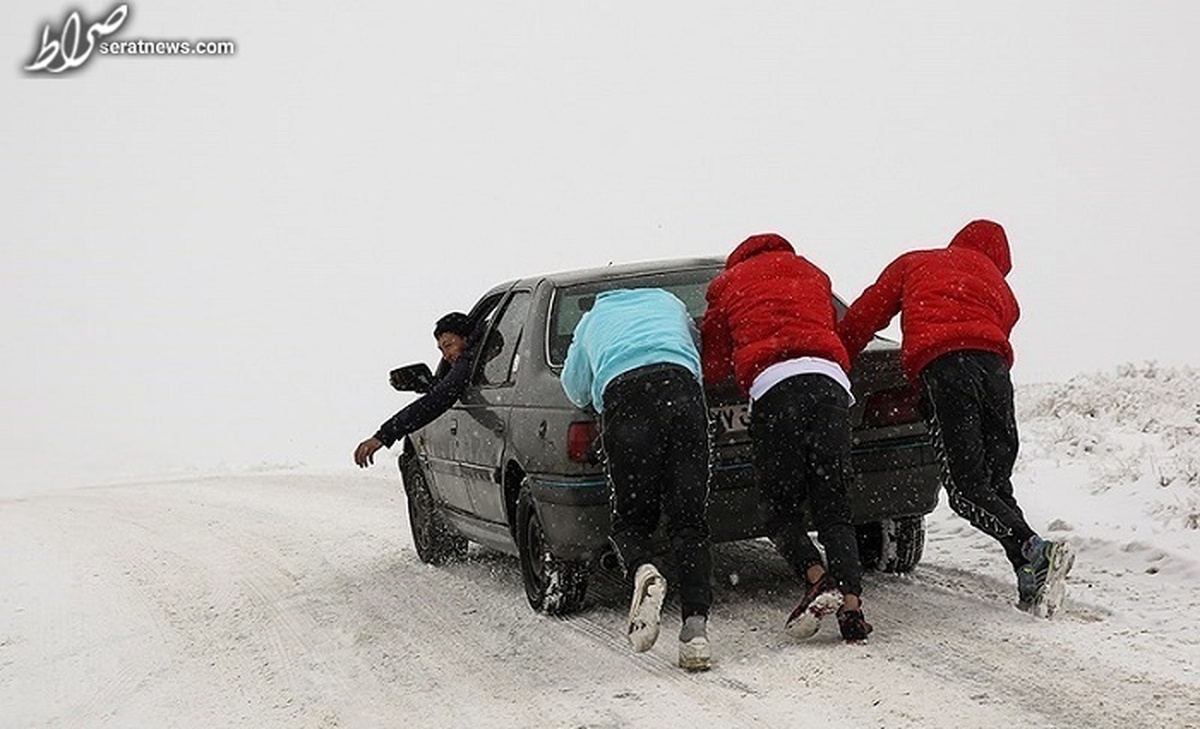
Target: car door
485,407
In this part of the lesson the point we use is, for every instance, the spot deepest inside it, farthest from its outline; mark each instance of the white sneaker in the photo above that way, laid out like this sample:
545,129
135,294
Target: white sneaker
694,653
645,609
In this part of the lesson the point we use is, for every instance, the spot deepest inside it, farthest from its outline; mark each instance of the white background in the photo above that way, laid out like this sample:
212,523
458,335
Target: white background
211,263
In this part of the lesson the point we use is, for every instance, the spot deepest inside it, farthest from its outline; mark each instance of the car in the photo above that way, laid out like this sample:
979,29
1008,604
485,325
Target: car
516,467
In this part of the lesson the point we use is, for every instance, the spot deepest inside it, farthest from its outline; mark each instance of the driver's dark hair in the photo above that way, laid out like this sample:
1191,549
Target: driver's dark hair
455,322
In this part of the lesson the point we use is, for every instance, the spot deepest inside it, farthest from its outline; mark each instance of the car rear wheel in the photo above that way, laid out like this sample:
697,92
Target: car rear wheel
434,539
552,585
892,545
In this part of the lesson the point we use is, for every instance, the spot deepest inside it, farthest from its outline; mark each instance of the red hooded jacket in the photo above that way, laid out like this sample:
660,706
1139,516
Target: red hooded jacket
767,306
949,299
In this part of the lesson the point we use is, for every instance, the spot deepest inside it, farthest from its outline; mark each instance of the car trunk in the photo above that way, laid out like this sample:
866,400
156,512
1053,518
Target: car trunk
884,400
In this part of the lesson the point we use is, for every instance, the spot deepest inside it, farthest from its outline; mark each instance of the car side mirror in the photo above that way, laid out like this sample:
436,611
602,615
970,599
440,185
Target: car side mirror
412,378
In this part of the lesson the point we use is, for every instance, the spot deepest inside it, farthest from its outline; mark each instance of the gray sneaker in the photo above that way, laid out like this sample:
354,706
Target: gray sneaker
694,653
1041,584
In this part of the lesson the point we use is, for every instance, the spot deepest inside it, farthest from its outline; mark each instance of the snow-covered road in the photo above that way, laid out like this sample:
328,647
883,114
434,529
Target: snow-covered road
296,600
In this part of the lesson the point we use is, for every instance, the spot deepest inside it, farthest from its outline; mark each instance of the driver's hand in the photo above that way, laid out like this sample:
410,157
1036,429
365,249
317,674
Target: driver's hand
364,454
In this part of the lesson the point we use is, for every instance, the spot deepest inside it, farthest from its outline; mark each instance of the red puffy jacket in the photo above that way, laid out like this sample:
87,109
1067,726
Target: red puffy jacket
951,299
767,306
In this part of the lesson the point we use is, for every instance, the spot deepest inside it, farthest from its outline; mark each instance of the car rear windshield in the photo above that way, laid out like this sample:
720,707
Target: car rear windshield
570,302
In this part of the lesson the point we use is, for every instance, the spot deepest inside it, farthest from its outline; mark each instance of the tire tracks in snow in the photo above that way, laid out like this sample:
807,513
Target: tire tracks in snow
961,628
284,601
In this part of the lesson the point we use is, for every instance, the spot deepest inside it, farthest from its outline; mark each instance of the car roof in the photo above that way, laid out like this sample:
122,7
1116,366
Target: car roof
599,273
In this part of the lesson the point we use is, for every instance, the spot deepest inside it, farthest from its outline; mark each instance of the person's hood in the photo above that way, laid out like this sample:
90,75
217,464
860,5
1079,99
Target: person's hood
987,238
757,244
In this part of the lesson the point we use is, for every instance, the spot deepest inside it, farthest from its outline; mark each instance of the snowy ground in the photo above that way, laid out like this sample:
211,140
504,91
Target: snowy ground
296,600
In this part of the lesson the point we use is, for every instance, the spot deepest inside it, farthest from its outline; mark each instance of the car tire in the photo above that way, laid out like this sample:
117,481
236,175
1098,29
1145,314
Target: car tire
435,540
892,545
553,586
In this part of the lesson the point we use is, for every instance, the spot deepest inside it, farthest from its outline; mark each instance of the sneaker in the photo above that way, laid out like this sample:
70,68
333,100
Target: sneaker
645,609
853,625
1049,562
822,598
694,654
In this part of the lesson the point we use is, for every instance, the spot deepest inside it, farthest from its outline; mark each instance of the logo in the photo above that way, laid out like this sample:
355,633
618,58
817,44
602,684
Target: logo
63,53
72,46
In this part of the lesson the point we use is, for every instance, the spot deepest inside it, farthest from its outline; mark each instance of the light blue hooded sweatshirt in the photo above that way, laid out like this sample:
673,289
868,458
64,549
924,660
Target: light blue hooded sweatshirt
626,329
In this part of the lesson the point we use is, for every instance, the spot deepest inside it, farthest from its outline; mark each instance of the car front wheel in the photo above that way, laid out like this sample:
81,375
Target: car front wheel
553,586
434,539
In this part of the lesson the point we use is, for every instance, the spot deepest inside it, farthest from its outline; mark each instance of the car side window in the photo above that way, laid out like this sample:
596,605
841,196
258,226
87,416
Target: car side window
481,316
498,355
484,312
570,302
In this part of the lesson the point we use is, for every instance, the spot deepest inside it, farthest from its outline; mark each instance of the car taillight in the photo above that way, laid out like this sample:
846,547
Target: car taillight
896,406
580,437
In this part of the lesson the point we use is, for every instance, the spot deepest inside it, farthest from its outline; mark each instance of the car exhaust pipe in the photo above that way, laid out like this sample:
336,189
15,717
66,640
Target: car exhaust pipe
609,561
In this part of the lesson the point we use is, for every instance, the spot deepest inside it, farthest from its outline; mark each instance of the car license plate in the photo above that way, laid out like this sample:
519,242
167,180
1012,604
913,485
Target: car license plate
730,419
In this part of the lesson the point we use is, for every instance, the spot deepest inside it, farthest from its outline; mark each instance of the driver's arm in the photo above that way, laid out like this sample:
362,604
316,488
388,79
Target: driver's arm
425,409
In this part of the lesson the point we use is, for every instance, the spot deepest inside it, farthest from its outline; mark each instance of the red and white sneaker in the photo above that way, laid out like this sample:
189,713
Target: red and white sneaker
822,598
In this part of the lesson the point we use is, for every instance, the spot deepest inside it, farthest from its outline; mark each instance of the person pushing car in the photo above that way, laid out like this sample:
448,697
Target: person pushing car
956,314
771,323
633,358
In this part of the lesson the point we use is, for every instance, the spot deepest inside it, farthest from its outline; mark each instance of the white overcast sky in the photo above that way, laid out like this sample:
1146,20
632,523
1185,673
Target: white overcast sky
213,262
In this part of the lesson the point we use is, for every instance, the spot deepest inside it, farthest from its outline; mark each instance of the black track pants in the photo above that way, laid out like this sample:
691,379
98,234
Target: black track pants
967,400
801,434
655,435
